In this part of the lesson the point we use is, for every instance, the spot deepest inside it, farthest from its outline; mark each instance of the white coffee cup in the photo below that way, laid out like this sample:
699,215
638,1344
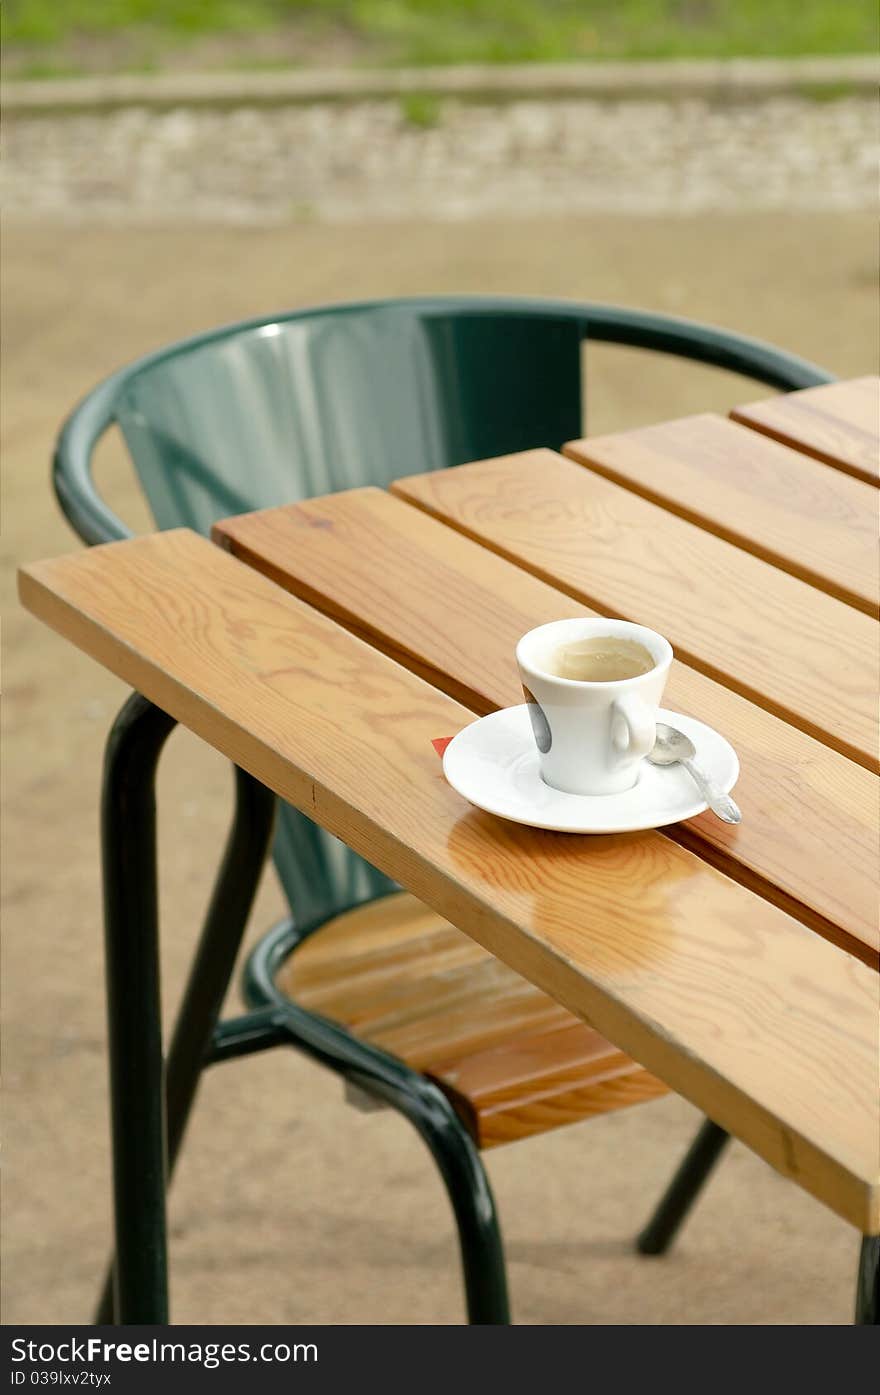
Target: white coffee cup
593,735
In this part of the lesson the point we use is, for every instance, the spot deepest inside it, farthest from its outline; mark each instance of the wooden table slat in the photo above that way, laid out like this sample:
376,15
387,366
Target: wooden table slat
838,423
795,651
735,1004
452,611
787,508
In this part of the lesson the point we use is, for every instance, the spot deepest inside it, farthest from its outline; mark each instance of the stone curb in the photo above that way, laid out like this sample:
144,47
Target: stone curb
720,78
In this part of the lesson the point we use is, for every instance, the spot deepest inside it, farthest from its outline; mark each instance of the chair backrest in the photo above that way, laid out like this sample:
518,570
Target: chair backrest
307,404
316,402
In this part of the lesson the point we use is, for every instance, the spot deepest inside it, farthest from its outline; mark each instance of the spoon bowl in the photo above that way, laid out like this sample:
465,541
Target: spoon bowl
671,746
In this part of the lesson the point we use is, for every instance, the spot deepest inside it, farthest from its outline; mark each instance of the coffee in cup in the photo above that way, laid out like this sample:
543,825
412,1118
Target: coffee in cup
602,659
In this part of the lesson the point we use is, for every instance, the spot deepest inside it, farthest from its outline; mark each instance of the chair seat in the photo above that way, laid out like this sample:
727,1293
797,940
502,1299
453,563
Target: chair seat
511,1060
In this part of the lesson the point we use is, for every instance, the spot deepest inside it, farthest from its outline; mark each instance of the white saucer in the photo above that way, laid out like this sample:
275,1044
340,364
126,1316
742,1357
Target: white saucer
493,763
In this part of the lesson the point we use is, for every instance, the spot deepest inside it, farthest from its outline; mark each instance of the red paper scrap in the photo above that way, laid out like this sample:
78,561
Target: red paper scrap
440,743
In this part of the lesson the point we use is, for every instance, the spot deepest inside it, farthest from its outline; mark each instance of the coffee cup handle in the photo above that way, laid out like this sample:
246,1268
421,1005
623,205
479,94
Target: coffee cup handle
633,728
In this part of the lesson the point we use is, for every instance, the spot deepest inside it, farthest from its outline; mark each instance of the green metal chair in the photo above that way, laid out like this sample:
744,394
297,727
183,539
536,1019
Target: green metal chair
264,413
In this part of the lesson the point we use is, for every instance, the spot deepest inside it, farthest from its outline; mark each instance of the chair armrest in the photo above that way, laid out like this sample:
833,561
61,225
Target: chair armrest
737,353
90,517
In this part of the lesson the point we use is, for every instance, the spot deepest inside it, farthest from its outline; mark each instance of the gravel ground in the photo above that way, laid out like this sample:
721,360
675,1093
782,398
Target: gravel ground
366,160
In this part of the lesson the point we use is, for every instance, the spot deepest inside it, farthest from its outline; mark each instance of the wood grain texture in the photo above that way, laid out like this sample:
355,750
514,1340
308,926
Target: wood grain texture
453,611
797,652
513,1061
838,423
759,1021
795,512
541,1081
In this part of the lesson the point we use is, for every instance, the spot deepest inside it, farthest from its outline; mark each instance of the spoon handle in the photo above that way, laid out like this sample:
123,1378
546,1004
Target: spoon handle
720,803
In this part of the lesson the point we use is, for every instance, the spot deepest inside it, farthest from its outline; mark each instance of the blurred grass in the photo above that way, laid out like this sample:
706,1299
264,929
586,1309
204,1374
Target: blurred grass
453,31
421,109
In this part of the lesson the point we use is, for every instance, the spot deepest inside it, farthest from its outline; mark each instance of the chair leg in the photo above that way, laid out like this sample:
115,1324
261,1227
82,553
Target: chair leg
225,921
387,1079
868,1283
232,900
473,1205
683,1190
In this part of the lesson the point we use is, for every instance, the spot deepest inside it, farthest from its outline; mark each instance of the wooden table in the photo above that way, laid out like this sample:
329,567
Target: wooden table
324,645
